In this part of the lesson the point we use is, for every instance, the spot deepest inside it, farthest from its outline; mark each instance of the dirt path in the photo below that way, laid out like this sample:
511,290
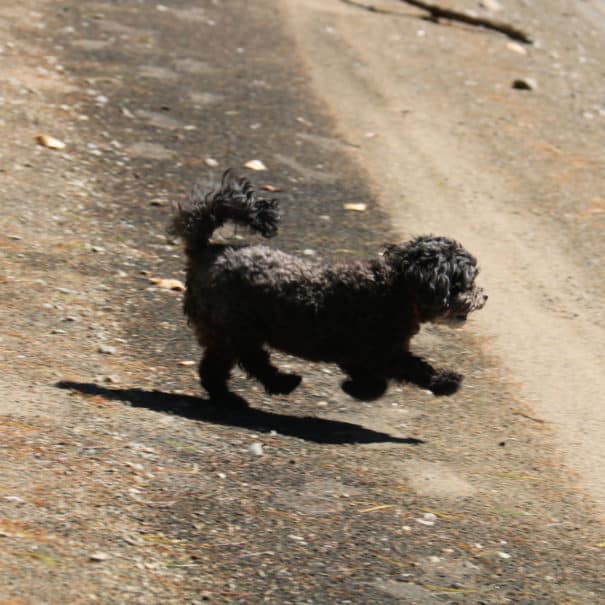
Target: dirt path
119,481
518,176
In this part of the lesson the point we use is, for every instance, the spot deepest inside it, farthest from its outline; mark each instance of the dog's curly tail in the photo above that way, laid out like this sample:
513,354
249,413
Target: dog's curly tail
234,200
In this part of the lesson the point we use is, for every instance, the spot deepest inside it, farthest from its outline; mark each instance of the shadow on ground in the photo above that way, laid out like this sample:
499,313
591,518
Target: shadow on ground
236,412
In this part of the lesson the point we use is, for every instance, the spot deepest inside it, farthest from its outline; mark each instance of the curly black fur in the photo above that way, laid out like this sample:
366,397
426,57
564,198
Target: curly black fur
234,201
360,315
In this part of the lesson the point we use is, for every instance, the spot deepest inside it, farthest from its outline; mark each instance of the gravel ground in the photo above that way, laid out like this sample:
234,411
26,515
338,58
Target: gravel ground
119,482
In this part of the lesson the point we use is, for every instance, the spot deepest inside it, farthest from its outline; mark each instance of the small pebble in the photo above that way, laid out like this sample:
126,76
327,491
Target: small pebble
256,449
106,350
296,538
427,519
492,5
525,84
425,522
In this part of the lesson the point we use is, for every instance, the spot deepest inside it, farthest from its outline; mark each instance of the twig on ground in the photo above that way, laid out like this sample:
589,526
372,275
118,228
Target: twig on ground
369,7
438,12
523,415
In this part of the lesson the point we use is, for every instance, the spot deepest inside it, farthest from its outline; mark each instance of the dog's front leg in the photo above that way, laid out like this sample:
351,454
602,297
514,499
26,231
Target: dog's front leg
416,370
362,383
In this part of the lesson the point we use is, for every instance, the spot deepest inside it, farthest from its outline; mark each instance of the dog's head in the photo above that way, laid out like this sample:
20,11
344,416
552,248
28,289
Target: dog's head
440,275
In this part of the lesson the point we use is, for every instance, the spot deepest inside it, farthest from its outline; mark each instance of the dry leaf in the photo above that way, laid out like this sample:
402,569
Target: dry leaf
255,165
517,48
168,284
271,188
50,142
355,207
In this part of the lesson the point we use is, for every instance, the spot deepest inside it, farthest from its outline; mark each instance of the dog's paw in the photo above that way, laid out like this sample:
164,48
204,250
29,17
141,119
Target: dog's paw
367,389
445,383
283,384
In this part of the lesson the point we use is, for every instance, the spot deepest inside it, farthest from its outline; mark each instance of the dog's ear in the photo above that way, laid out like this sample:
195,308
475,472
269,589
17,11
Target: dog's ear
431,284
423,273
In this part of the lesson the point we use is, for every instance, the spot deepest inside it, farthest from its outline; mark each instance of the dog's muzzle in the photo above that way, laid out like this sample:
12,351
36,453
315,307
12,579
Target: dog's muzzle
465,303
480,299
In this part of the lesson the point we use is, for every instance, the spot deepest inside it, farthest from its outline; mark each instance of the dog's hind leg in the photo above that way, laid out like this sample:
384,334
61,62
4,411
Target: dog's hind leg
214,370
362,383
257,363
416,370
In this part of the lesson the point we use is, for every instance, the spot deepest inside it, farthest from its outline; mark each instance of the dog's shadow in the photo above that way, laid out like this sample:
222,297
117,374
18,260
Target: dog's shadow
236,412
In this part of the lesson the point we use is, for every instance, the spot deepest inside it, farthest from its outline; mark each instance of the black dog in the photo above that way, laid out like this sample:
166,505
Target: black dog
361,316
